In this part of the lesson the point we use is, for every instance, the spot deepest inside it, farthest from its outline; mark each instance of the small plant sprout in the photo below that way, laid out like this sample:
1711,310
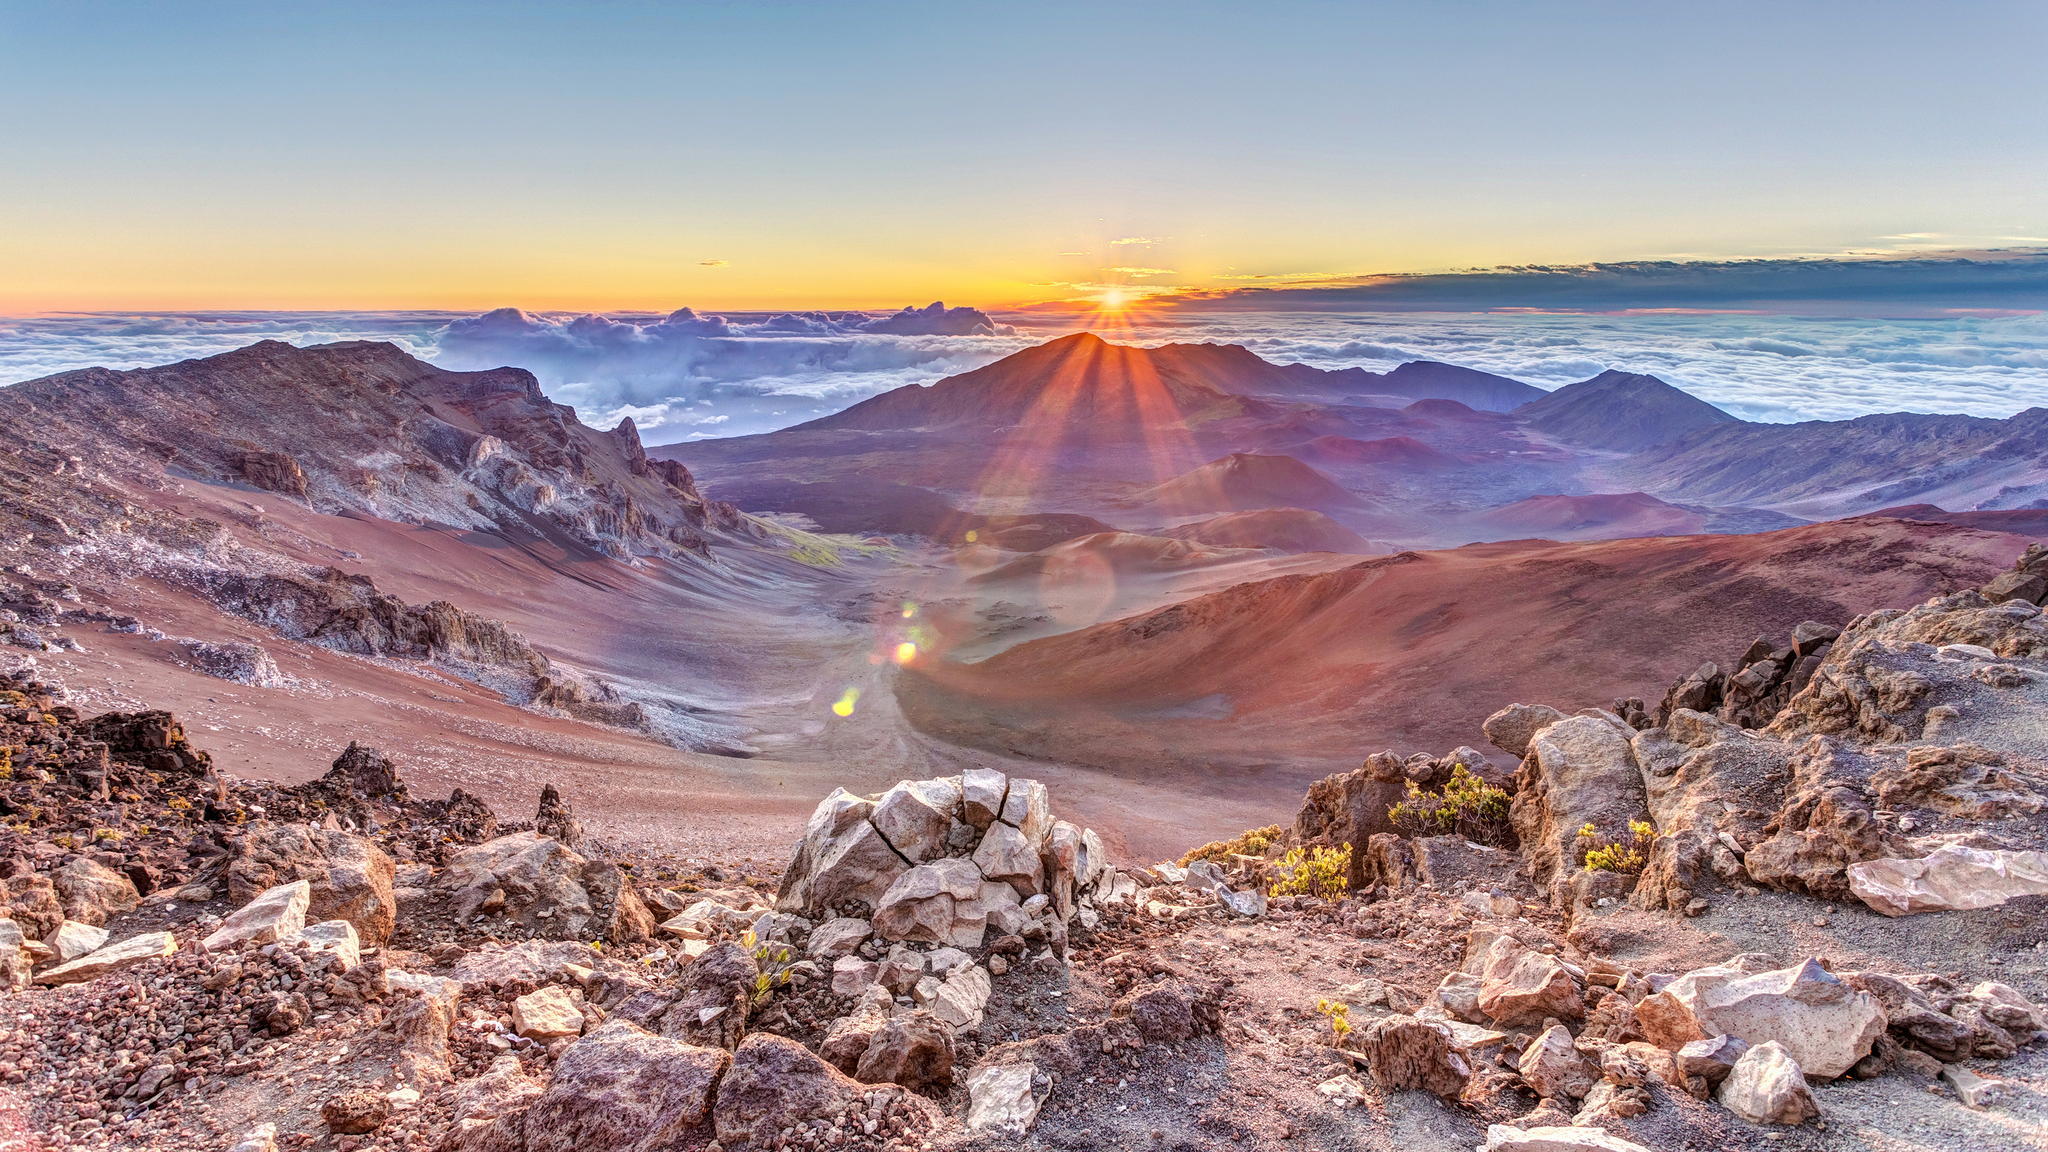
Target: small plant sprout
1338,1013
1628,856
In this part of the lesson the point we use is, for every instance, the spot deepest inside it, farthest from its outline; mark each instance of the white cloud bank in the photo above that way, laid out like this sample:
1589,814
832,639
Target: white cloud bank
689,375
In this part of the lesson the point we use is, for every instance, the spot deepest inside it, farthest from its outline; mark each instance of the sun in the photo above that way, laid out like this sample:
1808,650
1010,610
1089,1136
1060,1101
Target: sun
1114,300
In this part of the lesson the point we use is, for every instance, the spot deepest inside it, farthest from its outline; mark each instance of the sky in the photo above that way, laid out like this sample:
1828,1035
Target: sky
761,155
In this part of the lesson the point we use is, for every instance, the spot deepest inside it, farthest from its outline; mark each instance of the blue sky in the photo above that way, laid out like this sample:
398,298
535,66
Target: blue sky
765,155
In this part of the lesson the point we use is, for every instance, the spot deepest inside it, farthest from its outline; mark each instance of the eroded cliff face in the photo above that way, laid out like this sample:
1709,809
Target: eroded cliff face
149,478
365,428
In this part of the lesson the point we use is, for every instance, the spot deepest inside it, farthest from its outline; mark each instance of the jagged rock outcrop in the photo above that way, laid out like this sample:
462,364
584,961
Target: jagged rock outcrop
528,883
1580,770
948,861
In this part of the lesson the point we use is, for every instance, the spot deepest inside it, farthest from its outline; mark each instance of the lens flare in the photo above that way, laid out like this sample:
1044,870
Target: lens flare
844,705
906,652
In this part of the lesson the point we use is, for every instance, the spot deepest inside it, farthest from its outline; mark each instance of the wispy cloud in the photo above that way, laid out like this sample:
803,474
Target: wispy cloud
1933,282
1127,241
714,263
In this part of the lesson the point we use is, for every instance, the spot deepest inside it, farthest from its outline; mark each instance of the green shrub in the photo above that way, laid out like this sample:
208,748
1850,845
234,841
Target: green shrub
1320,872
1339,1015
1256,842
1628,856
1467,806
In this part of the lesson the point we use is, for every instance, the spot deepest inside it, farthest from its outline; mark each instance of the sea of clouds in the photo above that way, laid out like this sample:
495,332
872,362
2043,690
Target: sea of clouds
690,375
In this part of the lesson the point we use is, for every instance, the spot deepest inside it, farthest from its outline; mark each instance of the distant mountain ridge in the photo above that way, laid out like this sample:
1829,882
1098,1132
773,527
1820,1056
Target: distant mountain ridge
1622,410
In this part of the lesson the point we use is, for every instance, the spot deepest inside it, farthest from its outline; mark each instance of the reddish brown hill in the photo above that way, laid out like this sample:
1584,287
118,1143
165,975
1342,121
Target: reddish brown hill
1301,674
1244,481
2020,521
1403,452
1282,529
1602,516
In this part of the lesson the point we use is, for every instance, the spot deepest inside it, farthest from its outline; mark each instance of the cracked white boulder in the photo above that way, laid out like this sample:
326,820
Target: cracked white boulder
1000,1099
1821,1022
1950,878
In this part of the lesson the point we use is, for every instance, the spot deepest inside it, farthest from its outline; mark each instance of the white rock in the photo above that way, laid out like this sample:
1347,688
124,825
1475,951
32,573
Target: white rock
1004,854
273,915
1973,1090
1249,903
336,938
960,998
111,958
1824,1025
1766,1086
1508,1138
73,939
1029,809
839,936
1000,1099
1950,878
547,1013
915,816
982,791
261,1138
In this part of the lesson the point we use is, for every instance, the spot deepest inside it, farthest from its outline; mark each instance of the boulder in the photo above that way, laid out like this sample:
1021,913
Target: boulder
14,959
958,998
981,796
915,817
1950,878
1711,1059
1766,1086
111,958
1825,1025
914,1049
1580,770
1523,988
1002,1099
350,878
540,886
778,1086
1511,728
1555,1138
1404,1052
273,915
356,1112
1005,855
923,904
28,898
91,892
848,1038
1551,1065
73,939
335,938
843,859
839,936
620,1089
547,1013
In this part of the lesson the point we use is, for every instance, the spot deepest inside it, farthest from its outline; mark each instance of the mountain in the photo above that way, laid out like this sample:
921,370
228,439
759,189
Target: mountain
1829,468
1280,529
1300,674
1244,481
1078,382
365,428
1414,380
1622,411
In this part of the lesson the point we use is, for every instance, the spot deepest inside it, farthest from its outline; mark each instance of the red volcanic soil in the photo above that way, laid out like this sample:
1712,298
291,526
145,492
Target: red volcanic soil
1297,676
1282,529
1391,451
1245,481
2020,521
1605,516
